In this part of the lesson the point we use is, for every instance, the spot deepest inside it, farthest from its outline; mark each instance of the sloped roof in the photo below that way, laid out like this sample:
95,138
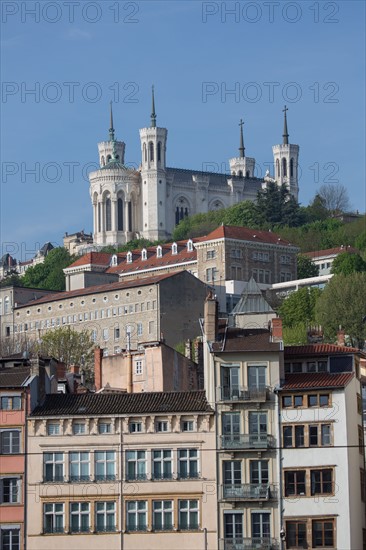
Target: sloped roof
239,339
252,300
13,377
245,234
123,403
330,252
318,349
93,258
317,380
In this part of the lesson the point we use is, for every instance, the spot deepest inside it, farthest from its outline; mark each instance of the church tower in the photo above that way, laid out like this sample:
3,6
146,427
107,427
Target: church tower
242,166
286,158
153,179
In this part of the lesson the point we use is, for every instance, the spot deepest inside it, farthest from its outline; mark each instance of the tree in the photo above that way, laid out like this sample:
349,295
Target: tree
11,280
334,197
299,307
343,303
347,263
275,206
360,241
316,210
69,346
296,335
49,275
306,267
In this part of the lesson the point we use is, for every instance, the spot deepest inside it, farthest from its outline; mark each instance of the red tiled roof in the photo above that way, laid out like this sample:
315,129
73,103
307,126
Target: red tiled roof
245,234
318,349
330,252
94,258
100,288
316,380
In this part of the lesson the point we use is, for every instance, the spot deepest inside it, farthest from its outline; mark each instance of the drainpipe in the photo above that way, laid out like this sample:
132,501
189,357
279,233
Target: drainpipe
25,476
205,538
280,459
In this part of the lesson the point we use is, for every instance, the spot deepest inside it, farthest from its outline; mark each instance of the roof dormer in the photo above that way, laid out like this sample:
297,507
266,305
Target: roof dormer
174,248
129,257
143,254
190,245
159,251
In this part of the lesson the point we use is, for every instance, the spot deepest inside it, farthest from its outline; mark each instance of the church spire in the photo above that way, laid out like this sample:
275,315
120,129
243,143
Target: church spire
111,129
285,131
241,146
153,114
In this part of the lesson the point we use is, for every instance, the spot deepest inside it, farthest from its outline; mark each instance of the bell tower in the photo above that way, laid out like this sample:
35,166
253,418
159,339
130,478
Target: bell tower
242,166
153,179
286,156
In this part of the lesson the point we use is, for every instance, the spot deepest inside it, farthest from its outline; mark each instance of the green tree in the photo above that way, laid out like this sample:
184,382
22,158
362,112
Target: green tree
347,263
295,335
69,346
360,241
343,303
299,307
306,267
49,275
276,207
11,280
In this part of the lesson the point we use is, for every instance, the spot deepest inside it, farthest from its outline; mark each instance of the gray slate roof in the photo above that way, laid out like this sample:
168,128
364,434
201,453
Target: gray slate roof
123,403
13,377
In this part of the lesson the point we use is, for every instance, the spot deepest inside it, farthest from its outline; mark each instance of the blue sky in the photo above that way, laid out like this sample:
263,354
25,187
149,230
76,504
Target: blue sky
212,63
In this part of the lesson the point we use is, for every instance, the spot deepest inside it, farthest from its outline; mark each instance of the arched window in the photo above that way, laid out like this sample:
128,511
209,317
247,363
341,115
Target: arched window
108,158
240,174
291,168
151,150
6,305
117,157
129,257
174,248
144,152
247,175
114,259
284,167
190,245
159,151
233,173
120,215
159,251
277,168
144,254
99,218
108,214
102,160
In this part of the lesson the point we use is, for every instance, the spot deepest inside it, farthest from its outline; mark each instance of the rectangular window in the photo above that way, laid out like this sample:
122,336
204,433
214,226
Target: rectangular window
188,463
135,427
287,401
210,254
105,334
53,467
10,490
161,426
299,436
287,436
313,400
296,534
137,515
53,517
325,435
236,253
79,517
138,367
10,442
79,464
233,527
323,533
10,539
298,400
188,514
104,427
105,517
78,428
261,525
11,403
162,464
105,465
360,440
321,482
187,426
151,327
295,483
136,465
313,436
162,515
53,428
116,333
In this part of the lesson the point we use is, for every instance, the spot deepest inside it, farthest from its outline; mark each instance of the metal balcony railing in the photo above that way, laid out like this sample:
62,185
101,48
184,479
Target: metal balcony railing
254,543
239,393
247,441
249,491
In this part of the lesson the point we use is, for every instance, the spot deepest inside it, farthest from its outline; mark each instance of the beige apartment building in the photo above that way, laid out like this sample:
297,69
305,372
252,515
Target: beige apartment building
122,471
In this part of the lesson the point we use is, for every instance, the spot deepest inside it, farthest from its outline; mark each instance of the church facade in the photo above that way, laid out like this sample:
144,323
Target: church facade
150,201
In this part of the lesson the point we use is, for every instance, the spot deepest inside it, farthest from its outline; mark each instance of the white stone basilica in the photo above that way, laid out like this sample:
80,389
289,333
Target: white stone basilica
149,202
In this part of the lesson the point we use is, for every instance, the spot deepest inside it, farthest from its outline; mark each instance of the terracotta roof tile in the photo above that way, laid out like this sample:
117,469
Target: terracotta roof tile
245,234
316,380
330,252
94,258
123,403
318,349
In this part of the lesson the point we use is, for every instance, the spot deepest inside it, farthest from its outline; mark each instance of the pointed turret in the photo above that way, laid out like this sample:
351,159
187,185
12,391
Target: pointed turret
241,145
285,131
111,129
153,114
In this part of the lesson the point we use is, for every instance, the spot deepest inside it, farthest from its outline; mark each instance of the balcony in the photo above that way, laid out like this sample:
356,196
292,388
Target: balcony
249,491
254,543
241,394
247,441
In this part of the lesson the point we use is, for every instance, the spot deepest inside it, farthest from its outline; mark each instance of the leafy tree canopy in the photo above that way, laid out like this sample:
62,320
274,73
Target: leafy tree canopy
299,308
343,303
347,263
49,275
11,280
306,267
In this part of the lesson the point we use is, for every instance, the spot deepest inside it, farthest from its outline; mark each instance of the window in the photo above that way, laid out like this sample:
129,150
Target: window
104,427
287,401
284,259
11,403
10,539
236,253
78,428
259,472
10,442
162,464
10,490
233,527
321,482
53,466
295,483
137,515
325,435
258,427
105,465
210,254
162,515
162,426
296,534
313,436
211,274
79,466
257,377
299,436
230,382
136,465
261,525
105,516
188,514
188,463
139,329
360,439
53,517
53,428
323,533
79,517
117,333
105,334
187,426
135,427
316,366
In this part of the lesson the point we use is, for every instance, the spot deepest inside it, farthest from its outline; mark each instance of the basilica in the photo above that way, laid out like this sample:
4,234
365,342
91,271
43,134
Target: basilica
150,201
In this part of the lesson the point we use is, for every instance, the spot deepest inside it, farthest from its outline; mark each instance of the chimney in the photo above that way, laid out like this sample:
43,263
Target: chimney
98,358
187,348
211,318
341,337
74,369
276,329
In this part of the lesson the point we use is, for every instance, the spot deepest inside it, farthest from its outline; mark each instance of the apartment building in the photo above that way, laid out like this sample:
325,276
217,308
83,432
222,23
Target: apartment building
243,367
118,470
323,474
